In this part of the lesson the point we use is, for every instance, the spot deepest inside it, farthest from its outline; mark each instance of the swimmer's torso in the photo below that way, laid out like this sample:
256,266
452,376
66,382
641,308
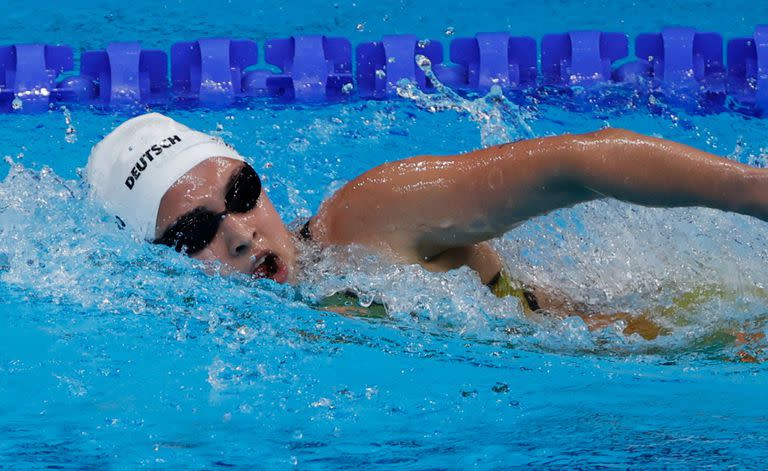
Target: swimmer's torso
481,257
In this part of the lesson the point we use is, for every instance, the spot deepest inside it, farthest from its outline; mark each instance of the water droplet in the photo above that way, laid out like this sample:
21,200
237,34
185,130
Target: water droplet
423,61
365,299
70,135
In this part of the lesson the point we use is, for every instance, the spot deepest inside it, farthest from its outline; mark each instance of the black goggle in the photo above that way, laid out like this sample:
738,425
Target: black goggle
195,230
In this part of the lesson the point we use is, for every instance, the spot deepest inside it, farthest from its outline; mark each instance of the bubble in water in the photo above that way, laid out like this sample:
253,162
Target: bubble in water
360,27
347,88
449,31
17,104
381,74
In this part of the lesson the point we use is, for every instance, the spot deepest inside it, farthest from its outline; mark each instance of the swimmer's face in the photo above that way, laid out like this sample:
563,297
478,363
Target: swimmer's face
254,242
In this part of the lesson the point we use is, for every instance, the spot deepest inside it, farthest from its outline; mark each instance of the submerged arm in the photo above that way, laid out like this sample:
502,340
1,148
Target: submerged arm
422,206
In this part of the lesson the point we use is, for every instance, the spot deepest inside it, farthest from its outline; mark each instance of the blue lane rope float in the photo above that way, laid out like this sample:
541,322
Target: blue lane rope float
311,67
581,57
748,68
219,71
124,73
28,73
211,70
680,58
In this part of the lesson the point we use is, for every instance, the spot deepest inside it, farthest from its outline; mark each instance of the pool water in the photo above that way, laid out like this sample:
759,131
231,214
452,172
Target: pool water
121,354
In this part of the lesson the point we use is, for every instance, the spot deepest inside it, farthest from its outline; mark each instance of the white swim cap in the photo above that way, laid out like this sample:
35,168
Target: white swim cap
130,170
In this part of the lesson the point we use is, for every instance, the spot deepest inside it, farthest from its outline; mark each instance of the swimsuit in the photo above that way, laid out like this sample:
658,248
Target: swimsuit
501,285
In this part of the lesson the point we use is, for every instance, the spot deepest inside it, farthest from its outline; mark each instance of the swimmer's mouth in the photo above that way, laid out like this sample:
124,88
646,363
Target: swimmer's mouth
269,265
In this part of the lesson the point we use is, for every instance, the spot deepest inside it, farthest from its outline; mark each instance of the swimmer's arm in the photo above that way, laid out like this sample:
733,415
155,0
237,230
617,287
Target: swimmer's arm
423,206
420,208
656,172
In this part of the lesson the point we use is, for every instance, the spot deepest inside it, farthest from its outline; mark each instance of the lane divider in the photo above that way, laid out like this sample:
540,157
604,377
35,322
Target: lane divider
681,62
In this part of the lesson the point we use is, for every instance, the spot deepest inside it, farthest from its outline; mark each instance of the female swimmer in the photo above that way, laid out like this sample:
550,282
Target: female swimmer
190,191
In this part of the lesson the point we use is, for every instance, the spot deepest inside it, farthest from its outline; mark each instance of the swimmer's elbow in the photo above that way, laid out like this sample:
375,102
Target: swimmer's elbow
596,155
602,148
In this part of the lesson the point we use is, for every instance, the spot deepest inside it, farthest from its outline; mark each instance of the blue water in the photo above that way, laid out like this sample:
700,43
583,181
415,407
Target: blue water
118,354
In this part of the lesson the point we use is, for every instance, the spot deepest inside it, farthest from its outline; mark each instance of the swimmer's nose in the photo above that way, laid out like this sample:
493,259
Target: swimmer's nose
240,236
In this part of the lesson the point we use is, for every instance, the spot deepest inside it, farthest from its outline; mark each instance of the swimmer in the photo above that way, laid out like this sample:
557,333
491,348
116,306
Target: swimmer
192,192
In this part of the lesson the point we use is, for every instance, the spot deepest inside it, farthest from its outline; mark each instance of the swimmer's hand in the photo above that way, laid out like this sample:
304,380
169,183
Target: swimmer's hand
641,325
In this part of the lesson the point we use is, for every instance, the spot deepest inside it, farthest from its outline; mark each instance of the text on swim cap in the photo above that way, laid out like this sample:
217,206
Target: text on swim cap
148,157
